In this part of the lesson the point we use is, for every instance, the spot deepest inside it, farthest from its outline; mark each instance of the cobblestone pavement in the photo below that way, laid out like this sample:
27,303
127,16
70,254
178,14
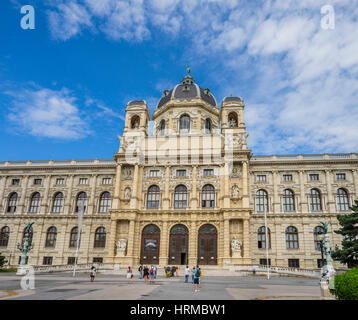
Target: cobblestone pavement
62,286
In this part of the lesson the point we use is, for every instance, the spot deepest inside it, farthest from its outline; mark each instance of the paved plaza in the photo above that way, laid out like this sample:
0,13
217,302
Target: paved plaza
62,286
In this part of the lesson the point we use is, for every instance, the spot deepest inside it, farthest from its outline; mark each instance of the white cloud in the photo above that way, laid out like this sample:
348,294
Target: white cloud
303,87
47,113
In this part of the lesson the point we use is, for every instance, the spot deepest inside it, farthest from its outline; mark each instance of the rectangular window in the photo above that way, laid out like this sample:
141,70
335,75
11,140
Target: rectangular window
293,263
47,261
154,173
340,176
181,173
97,260
60,181
71,260
107,181
263,262
314,177
83,180
208,172
261,178
15,182
37,182
319,263
26,261
287,177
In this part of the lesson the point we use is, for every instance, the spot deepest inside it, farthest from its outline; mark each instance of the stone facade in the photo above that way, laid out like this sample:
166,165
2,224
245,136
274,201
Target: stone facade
191,193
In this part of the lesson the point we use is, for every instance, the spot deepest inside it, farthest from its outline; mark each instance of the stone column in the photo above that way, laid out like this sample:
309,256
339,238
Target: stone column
67,209
276,201
91,202
2,190
245,184
226,186
193,243
331,207
164,241
246,242
112,242
22,207
131,235
304,204
166,198
226,240
134,197
117,187
194,198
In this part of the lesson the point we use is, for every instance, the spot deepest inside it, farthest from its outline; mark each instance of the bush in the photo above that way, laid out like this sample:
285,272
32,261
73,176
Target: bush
346,285
2,261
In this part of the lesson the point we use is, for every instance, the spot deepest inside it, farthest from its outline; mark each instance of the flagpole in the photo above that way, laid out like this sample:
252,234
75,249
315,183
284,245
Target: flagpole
79,229
267,243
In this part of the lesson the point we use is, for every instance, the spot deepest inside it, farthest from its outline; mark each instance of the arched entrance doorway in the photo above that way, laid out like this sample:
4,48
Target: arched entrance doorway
150,245
178,245
207,245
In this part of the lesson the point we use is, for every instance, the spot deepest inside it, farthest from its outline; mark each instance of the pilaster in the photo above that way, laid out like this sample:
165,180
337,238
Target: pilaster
67,208
164,241
166,199
117,187
303,199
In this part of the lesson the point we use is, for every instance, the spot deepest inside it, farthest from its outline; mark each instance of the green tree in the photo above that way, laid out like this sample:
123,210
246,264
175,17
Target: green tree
2,260
349,230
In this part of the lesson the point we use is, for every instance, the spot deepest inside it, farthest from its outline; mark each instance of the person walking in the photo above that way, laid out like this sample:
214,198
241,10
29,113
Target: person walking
196,279
145,273
155,272
192,275
151,274
187,273
140,269
177,271
93,273
129,274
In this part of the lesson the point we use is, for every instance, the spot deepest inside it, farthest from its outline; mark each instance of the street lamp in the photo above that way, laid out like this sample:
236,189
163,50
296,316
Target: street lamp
267,242
320,239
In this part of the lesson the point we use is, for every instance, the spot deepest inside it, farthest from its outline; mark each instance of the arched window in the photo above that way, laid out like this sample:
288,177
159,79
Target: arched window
81,201
162,128
261,201
288,200
35,203
184,123
105,202
51,236
73,237
100,238
180,197
153,197
232,120
30,238
57,206
291,238
4,236
12,203
261,238
207,126
316,231
315,200
208,196
342,200
135,122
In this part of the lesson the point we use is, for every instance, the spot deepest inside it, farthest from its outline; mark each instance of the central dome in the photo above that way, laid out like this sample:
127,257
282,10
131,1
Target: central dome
188,89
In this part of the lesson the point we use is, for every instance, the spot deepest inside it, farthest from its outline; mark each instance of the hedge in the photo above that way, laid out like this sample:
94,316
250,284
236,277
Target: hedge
346,285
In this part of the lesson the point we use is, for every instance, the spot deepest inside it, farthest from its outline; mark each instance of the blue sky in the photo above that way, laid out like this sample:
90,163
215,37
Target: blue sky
64,86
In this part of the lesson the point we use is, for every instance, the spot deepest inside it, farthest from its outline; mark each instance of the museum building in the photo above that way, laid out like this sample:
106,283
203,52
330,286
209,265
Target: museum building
190,193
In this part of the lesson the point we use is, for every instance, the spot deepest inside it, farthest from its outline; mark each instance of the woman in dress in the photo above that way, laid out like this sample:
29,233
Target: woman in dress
129,274
92,273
